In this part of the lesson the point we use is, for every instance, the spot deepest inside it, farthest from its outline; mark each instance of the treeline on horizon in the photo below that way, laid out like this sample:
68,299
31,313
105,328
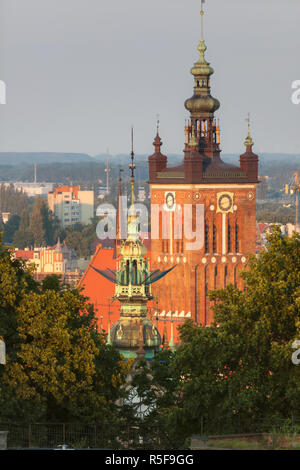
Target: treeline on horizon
75,168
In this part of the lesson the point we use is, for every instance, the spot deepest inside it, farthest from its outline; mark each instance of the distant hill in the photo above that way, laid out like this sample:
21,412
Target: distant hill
81,167
29,158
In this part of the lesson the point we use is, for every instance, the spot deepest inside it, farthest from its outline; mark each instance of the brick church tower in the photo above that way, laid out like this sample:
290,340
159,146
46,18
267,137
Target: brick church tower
203,211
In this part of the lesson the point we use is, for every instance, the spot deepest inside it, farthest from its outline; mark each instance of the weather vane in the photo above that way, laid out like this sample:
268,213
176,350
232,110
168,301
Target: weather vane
132,167
157,122
248,120
202,13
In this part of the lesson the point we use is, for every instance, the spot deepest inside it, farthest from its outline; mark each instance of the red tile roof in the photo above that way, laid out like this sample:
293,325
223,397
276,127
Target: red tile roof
24,254
98,289
67,189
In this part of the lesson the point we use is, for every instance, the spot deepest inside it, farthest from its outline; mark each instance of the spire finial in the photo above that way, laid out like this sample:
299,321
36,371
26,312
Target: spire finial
157,141
202,46
132,168
249,141
202,14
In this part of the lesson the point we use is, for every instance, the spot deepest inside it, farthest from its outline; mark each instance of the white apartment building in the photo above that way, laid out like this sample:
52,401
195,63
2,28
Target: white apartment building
72,205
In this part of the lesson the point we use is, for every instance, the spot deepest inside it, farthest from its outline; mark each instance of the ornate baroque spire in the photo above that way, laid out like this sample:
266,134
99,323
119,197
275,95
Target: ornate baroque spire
202,104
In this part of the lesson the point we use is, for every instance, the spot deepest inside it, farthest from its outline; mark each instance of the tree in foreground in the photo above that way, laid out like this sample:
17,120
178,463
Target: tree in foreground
238,373
59,367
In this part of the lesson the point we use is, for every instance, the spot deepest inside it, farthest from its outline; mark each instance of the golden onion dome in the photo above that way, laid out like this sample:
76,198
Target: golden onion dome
198,104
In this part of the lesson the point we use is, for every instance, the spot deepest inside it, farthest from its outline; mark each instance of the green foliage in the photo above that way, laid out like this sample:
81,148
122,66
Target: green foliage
58,366
271,212
79,237
23,239
239,370
12,200
10,228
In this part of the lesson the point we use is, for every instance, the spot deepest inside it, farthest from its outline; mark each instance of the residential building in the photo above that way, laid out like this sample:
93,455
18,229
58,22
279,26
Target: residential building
72,205
58,259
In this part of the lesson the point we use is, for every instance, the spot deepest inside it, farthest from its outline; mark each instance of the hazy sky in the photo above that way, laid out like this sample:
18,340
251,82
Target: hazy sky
79,73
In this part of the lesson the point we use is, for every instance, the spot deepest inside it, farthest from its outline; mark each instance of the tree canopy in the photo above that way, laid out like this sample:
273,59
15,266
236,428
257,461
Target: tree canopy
239,370
59,367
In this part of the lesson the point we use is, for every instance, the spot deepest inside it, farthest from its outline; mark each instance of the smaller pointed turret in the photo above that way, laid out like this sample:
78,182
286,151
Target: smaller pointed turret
58,246
157,161
248,141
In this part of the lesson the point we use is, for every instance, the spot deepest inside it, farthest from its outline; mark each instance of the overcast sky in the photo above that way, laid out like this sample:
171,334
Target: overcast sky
79,73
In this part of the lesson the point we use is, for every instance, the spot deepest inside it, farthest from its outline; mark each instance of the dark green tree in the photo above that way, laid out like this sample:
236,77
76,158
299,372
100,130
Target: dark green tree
238,373
10,228
59,367
37,226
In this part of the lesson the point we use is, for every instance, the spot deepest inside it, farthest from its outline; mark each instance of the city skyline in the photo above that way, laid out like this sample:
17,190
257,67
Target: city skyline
78,76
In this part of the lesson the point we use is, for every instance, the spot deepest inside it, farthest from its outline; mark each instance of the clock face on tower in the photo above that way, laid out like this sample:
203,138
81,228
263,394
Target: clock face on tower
225,202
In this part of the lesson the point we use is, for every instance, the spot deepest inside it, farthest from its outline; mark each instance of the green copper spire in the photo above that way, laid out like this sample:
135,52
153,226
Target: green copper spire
132,222
134,335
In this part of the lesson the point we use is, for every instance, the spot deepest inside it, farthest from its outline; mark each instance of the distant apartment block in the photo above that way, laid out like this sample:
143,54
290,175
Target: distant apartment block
31,189
72,205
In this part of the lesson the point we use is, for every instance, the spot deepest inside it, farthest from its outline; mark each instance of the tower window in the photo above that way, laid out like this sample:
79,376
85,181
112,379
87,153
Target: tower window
236,238
229,238
225,276
216,277
214,238
206,238
134,273
127,273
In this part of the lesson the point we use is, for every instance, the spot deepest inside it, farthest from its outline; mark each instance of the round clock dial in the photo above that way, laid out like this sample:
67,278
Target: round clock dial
225,203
